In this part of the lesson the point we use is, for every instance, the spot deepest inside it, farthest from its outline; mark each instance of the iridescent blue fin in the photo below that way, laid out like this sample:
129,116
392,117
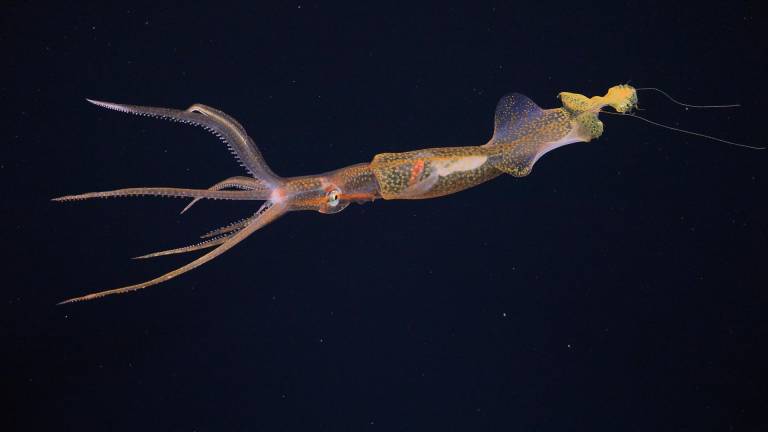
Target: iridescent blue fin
515,116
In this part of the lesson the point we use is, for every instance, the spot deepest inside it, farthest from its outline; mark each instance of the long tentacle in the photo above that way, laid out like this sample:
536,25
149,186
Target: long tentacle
267,215
242,183
215,237
166,192
191,248
220,124
234,226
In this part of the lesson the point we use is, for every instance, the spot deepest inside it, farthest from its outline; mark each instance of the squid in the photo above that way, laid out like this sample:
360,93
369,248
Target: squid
523,132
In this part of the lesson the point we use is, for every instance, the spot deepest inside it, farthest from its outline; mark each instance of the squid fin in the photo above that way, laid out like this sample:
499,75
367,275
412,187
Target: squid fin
515,116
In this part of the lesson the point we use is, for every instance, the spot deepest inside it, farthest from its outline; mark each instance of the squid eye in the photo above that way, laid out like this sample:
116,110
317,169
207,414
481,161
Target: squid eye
333,197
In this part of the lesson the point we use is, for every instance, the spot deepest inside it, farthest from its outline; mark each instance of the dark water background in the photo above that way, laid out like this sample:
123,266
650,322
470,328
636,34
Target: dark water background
620,287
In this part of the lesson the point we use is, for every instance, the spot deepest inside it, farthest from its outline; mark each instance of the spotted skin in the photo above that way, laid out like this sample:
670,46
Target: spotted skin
517,157
523,132
431,173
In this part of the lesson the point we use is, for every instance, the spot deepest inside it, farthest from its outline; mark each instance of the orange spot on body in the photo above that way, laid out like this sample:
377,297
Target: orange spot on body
416,170
278,195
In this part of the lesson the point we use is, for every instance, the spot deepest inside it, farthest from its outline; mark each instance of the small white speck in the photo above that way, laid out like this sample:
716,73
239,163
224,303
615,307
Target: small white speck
504,314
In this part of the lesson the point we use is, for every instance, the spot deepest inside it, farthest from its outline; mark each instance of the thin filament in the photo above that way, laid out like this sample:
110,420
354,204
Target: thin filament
685,131
685,104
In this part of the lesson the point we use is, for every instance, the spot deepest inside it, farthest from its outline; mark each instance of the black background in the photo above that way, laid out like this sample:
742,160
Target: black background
619,287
